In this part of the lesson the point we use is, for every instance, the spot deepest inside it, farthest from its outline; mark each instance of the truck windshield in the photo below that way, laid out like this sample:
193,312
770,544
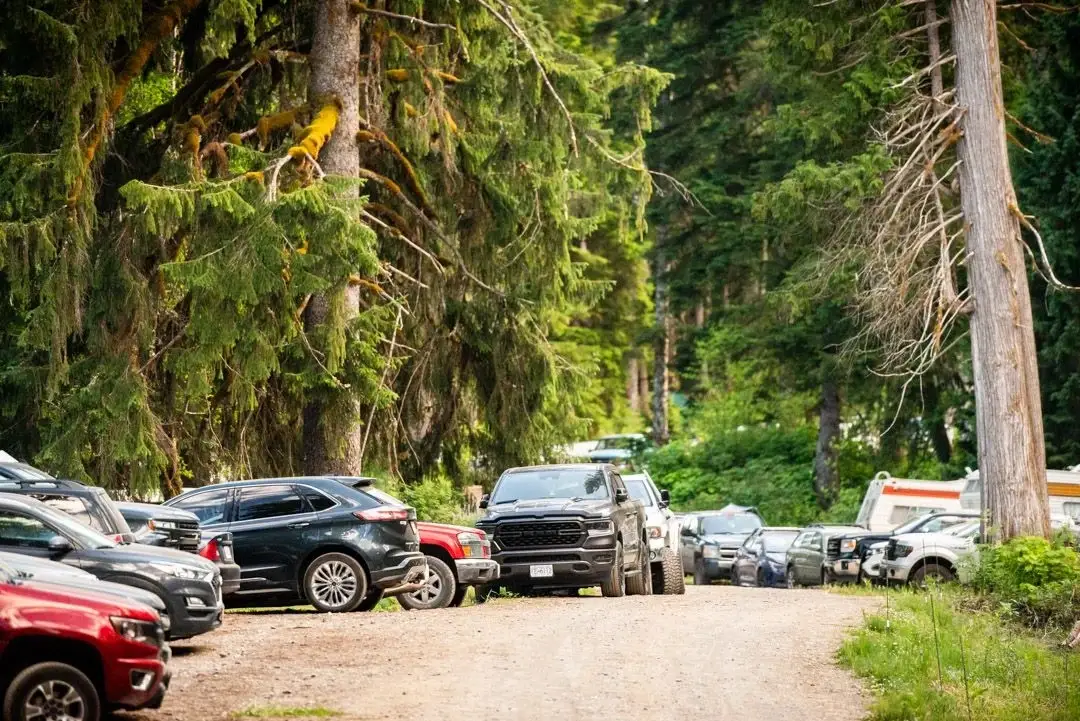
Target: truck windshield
733,523
553,483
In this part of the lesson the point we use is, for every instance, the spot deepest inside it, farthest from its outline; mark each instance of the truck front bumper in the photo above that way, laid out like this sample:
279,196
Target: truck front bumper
569,567
844,569
718,568
476,571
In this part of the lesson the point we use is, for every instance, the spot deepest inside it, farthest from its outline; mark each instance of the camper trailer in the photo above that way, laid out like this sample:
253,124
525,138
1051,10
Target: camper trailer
890,501
1063,488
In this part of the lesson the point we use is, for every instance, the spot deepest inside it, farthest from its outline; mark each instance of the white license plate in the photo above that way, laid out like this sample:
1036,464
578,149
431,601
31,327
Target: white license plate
544,571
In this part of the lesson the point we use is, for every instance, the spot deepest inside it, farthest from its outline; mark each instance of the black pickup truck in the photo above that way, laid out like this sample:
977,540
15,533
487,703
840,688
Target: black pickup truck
566,527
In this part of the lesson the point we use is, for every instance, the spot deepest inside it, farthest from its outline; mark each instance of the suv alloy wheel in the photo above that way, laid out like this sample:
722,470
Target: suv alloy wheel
335,582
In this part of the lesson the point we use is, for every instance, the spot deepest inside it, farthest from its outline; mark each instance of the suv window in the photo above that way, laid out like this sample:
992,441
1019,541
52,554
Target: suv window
209,506
269,502
940,523
19,531
318,501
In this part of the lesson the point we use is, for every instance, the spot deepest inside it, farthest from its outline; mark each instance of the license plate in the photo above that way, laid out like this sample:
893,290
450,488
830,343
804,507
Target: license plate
544,571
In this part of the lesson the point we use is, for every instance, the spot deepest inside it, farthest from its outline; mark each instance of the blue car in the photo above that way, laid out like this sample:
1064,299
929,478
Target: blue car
760,561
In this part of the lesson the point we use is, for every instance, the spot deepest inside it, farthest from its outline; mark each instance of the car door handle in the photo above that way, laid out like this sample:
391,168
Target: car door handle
299,524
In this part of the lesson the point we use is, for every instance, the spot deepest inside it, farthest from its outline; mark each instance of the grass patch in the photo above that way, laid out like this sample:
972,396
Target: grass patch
989,668
288,712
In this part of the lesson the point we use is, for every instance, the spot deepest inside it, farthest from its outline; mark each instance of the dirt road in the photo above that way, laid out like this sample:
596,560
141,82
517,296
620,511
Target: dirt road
717,653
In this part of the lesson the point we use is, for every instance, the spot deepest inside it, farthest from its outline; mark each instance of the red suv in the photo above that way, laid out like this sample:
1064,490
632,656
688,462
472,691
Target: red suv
457,558
68,654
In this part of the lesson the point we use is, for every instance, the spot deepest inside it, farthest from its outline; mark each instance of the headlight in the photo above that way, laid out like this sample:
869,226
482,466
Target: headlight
711,552
848,545
175,569
876,551
656,532
135,630
473,545
161,525
903,550
599,528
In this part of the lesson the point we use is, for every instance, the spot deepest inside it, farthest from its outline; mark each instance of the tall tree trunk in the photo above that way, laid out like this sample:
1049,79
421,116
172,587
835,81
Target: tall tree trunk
826,473
1008,410
633,385
335,73
661,434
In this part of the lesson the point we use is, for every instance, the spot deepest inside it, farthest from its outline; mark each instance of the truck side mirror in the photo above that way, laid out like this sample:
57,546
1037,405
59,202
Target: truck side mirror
621,496
687,531
484,501
665,497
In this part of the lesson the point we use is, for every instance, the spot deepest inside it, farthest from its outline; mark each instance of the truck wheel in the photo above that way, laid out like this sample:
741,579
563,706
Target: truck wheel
789,577
700,579
641,584
51,690
438,589
335,583
674,582
485,593
931,570
370,601
615,585
761,578
459,596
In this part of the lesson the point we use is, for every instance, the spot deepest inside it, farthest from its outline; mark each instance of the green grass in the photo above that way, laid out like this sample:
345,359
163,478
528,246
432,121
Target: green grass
991,670
287,712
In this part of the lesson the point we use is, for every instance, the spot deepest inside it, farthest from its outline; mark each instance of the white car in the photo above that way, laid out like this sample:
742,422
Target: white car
663,528
915,557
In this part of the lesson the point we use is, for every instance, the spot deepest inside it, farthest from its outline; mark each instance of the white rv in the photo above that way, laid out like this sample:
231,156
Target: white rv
1063,487
890,501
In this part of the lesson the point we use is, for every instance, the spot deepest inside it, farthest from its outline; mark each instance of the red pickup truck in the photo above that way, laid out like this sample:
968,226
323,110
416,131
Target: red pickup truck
67,654
458,557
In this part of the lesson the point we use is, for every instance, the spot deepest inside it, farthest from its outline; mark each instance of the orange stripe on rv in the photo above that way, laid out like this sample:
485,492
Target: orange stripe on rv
1070,490
895,491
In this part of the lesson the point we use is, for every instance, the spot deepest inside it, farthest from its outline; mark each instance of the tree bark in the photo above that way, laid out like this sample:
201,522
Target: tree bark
335,73
633,397
1008,411
661,432
826,473
933,39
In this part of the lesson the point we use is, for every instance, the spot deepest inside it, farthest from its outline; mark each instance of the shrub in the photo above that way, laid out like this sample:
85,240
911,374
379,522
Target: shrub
1033,579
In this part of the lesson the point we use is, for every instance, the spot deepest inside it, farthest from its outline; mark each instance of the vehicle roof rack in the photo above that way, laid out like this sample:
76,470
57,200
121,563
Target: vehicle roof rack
43,483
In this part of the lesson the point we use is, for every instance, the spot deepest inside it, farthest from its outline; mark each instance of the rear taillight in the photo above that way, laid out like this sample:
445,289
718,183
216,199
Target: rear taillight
210,551
383,513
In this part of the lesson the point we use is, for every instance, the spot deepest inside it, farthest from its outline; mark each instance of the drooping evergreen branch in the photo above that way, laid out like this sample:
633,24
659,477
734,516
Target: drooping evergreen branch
359,7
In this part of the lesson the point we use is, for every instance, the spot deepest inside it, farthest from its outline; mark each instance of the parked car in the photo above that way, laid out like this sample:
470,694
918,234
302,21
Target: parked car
617,448
662,528
339,544
914,558
566,527
189,586
709,540
67,654
157,525
90,505
762,559
806,557
846,552
39,570
457,558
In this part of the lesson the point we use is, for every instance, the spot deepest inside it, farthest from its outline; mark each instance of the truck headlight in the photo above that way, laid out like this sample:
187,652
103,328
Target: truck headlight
599,528
710,552
161,525
656,532
473,545
903,550
848,545
136,630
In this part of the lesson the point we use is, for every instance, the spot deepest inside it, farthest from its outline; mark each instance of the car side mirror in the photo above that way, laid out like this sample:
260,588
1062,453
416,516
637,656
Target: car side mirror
621,495
687,531
665,496
484,501
59,546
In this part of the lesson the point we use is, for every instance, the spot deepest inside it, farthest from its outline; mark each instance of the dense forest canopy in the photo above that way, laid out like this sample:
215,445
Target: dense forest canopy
528,171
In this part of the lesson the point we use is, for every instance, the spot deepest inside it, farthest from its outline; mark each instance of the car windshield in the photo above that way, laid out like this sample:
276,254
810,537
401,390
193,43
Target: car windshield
551,483
730,523
963,529
622,443
639,490
83,535
912,524
778,542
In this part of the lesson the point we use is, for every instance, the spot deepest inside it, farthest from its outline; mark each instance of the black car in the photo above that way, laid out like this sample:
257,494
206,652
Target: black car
339,544
157,525
847,554
709,540
189,585
90,505
567,527
762,559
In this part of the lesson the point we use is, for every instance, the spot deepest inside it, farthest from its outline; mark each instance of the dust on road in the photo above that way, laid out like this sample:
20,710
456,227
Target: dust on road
717,653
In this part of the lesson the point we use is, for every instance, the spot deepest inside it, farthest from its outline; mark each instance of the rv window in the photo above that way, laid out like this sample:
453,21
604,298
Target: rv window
1072,508
902,514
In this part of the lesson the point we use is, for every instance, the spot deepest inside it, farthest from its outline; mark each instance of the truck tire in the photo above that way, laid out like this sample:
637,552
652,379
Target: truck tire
671,570
615,584
936,571
62,683
438,591
789,577
335,583
700,579
459,596
483,594
640,584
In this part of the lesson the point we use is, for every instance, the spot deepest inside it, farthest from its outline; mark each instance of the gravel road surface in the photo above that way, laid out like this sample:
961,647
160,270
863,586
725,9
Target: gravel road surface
718,653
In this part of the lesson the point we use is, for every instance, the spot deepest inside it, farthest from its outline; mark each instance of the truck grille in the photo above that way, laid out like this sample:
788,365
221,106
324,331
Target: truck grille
833,549
544,558
539,534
